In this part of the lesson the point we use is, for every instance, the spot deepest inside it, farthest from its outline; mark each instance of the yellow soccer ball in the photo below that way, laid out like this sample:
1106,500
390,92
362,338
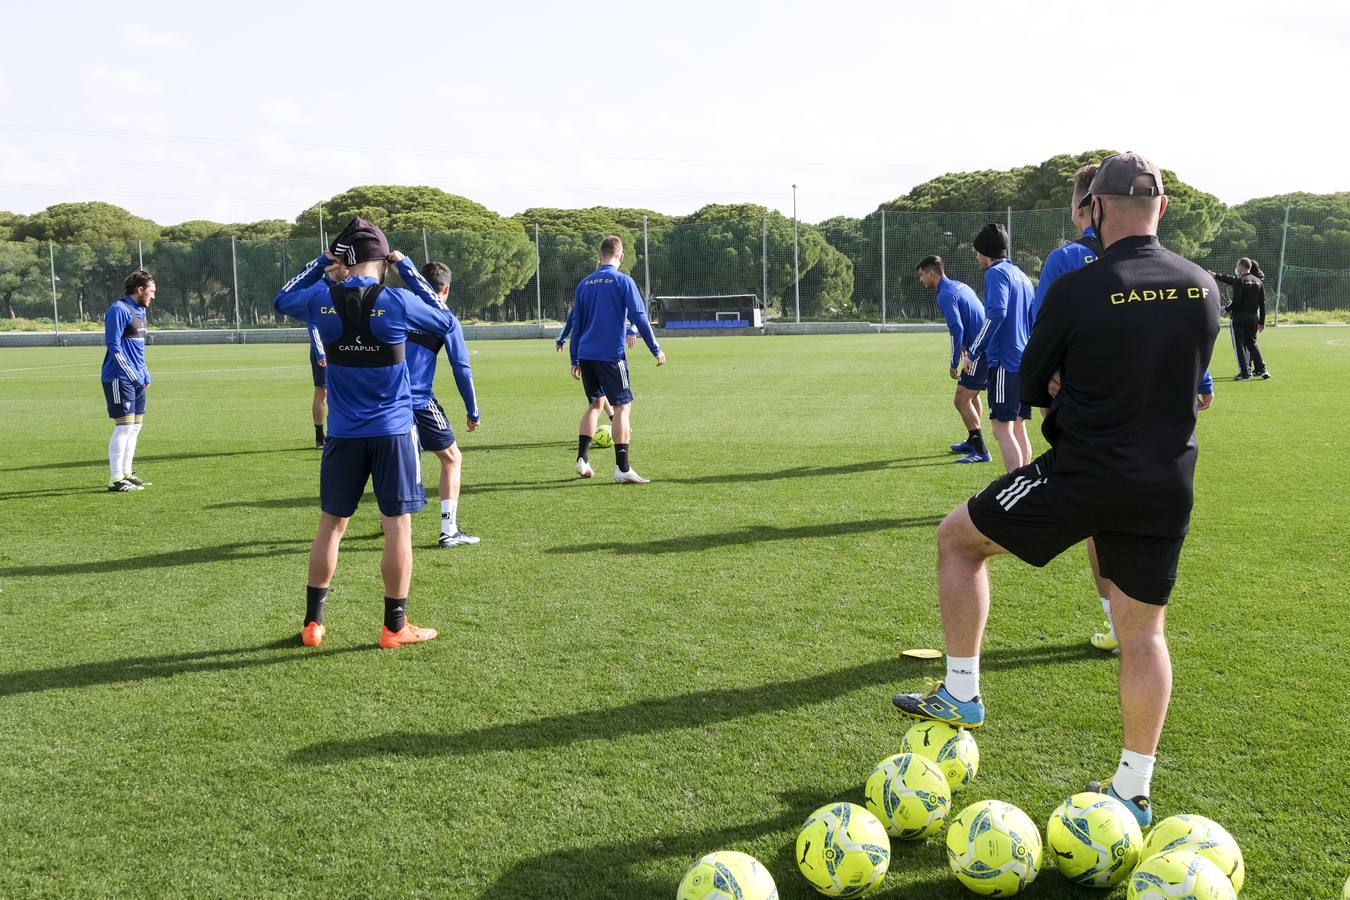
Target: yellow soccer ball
603,437
727,875
1202,836
953,749
1179,875
909,794
1345,891
1094,840
994,848
843,850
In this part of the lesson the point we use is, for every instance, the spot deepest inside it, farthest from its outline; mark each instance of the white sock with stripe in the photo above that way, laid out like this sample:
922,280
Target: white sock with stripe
117,448
963,677
448,510
1134,775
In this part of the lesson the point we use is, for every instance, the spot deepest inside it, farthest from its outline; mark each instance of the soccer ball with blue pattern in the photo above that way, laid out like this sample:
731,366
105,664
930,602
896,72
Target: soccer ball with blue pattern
843,850
909,795
602,437
994,848
727,875
1179,875
1094,840
953,749
1201,836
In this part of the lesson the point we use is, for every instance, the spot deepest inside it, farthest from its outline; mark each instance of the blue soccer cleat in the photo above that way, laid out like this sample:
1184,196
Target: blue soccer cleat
976,456
1139,806
963,447
941,706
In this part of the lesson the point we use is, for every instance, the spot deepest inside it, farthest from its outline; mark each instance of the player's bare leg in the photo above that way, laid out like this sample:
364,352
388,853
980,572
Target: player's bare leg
451,460
323,557
1008,446
1102,640
622,429
1023,439
317,411
590,418
967,403
396,569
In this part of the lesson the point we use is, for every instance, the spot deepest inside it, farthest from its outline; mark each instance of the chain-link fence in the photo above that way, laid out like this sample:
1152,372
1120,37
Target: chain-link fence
843,269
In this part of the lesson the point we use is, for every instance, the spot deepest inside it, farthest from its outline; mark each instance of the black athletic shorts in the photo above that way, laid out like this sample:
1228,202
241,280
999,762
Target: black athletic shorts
1024,513
608,378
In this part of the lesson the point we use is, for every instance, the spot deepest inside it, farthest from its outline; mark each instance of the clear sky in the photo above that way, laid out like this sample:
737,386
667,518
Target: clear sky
246,111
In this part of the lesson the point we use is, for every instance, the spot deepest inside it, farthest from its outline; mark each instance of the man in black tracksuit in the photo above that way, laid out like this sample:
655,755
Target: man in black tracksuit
1248,311
1116,353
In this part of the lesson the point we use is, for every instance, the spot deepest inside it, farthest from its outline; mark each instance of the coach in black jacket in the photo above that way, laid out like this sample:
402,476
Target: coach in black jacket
1248,312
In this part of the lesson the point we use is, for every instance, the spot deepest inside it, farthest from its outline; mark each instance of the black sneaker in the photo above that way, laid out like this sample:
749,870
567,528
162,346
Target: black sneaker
1264,376
1242,378
136,480
122,486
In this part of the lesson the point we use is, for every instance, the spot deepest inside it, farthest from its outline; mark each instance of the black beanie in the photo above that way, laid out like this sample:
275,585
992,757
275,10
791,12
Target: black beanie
359,242
992,240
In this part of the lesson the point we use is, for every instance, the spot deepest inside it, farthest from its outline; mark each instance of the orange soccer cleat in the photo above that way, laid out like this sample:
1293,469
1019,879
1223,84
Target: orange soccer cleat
409,634
312,634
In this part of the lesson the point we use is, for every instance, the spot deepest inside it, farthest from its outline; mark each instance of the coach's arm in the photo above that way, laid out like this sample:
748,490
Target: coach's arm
1044,353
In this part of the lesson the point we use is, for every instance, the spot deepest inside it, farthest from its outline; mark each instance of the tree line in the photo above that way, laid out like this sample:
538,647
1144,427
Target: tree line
719,249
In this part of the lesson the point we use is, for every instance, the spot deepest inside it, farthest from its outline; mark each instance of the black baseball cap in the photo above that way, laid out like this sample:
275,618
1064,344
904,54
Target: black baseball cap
1117,175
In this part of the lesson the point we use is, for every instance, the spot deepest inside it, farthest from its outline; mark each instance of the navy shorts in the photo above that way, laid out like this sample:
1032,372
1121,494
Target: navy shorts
320,374
125,398
433,429
1025,514
1005,404
606,378
390,460
977,381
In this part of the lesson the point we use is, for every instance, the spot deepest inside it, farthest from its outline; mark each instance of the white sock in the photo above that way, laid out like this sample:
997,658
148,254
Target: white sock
1133,776
963,677
129,452
448,510
117,447
1106,608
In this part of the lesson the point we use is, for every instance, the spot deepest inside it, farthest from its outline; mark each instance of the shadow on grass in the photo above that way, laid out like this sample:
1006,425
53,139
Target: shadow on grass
661,714
750,534
51,492
876,465
145,668
188,556
159,457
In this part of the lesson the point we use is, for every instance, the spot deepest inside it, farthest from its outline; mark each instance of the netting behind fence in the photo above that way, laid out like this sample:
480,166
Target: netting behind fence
851,269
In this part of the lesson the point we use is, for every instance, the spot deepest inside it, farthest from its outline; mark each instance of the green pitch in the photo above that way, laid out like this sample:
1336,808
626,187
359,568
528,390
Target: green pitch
627,677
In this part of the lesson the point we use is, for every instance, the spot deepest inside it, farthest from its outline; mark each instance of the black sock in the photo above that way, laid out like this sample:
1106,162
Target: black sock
611,416
394,615
584,447
976,440
314,598
621,456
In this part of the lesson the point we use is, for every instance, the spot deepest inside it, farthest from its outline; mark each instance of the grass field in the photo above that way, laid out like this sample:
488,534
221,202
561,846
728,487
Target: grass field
627,677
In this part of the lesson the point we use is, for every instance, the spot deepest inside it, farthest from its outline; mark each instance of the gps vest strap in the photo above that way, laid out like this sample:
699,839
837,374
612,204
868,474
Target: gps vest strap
432,342
1091,242
358,347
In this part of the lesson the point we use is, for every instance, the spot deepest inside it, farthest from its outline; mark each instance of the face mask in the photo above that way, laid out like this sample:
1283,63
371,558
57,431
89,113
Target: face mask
1097,216
1237,271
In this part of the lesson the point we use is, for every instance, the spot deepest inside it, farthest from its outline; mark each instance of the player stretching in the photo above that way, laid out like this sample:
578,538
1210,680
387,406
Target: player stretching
370,421
318,366
1116,354
1007,310
605,300
125,377
965,317
433,428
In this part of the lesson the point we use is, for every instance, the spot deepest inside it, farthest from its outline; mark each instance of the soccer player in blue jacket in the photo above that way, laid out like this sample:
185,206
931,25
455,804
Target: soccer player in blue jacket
605,301
629,342
433,428
964,316
1007,324
125,377
364,326
318,364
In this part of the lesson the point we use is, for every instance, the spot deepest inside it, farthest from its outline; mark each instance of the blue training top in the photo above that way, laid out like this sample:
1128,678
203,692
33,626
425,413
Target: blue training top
315,345
1007,311
1066,258
124,338
962,311
421,361
366,401
606,300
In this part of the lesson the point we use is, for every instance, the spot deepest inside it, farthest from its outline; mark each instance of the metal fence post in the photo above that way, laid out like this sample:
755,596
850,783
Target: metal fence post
538,282
51,259
764,260
883,269
796,275
1279,280
140,255
646,261
322,242
234,268
1010,256
426,253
